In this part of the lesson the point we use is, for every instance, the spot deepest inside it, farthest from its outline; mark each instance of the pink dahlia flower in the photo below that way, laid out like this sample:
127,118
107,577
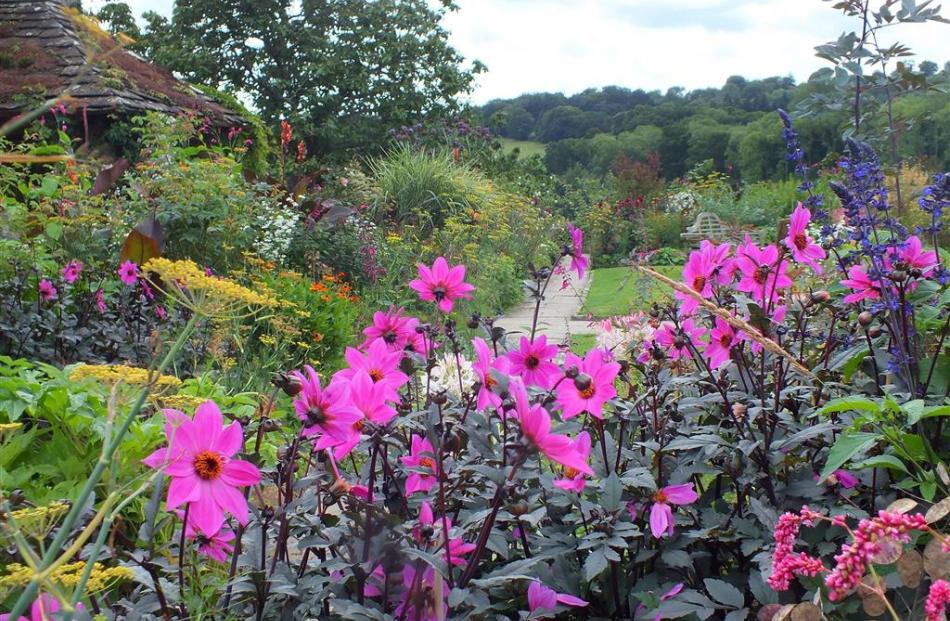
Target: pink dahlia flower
442,284
458,548
579,262
913,255
541,597
800,243
217,547
128,273
661,514
861,284
488,369
421,457
533,362
722,339
371,398
47,291
325,411
200,462
591,389
573,480
705,267
761,273
380,364
43,609
72,270
392,328
675,341
536,428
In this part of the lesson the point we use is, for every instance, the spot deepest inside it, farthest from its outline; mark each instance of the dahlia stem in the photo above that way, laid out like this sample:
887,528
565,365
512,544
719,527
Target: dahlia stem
181,553
109,449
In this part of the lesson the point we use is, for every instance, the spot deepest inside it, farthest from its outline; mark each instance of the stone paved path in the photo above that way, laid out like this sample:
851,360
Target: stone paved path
558,309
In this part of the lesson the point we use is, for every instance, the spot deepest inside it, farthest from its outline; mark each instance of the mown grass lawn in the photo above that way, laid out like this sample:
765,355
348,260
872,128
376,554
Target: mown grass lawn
624,290
527,147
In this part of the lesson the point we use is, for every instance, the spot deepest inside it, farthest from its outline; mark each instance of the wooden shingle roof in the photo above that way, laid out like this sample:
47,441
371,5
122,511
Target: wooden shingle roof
45,47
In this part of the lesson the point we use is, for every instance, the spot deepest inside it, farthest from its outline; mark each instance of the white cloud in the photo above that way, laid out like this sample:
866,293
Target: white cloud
570,45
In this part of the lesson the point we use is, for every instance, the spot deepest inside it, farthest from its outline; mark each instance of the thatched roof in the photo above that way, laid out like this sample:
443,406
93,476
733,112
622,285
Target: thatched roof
46,46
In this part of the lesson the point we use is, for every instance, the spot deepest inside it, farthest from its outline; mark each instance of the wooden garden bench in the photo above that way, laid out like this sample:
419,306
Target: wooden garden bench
710,226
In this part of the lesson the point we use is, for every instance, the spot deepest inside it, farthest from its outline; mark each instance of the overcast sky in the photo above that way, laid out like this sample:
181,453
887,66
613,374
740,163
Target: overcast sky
570,45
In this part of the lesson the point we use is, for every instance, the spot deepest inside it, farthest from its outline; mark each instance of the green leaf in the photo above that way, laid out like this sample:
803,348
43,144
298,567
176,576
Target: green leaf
724,593
613,490
847,446
847,404
931,412
882,461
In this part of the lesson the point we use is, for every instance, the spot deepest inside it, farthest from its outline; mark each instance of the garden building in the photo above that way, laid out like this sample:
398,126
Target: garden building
50,48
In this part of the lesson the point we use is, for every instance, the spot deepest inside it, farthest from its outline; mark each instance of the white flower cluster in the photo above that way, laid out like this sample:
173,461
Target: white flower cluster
680,202
276,225
445,374
624,334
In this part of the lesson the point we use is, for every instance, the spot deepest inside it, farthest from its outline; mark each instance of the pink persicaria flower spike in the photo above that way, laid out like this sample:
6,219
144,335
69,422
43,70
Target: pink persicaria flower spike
442,284
327,411
760,273
542,598
47,291
200,463
533,361
421,457
392,327
458,548
380,363
661,513
938,598
705,268
800,243
861,284
71,271
128,273
573,480
488,370
591,388
44,608
579,262
536,428
913,255
722,339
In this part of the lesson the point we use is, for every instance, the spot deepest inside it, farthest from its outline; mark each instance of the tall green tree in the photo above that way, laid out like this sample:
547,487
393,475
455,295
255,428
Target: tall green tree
342,71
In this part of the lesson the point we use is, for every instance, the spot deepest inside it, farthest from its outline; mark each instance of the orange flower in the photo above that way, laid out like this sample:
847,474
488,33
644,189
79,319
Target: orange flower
325,297
318,287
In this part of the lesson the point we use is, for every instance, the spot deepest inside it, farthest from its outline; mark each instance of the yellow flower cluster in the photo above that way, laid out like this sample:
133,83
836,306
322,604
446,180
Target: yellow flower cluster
193,278
186,403
67,576
36,522
5,427
113,373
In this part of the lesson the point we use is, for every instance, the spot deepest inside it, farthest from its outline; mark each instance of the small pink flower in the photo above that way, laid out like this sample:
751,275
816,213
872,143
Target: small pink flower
533,361
161,313
100,302
591,389
843,478
128,273
200,461
541,597
573,480
721,341
421,457
458,548
675,341
380,364
536,429
762,274
487,370
325,411
661,514
216,547
800,243
43,609
47,290
864,288
914,256
442,284
938,598
392,327
579,263
425,598
72,270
